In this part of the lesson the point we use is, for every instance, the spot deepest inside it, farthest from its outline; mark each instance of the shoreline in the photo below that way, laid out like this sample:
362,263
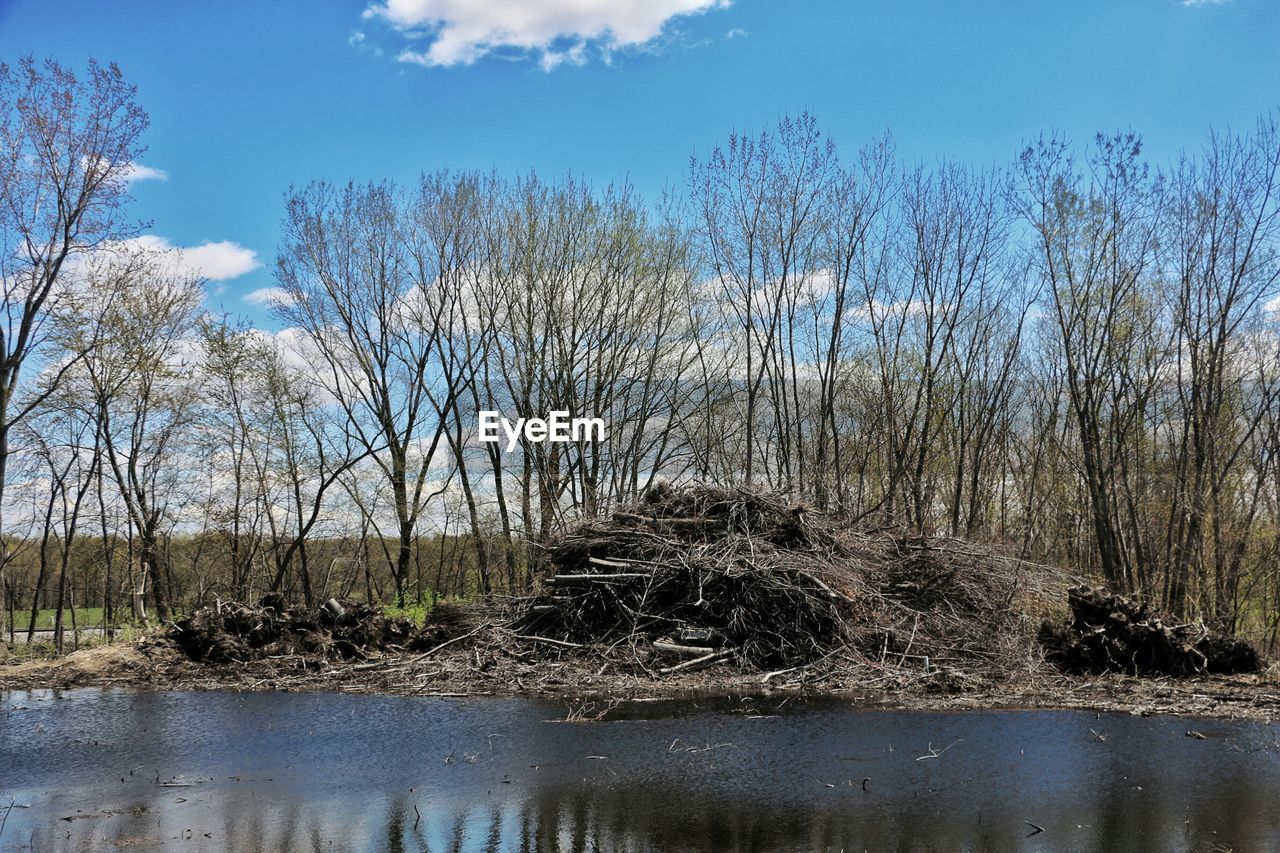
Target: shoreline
590,693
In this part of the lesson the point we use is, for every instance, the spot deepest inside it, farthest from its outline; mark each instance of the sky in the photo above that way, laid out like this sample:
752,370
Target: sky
248,98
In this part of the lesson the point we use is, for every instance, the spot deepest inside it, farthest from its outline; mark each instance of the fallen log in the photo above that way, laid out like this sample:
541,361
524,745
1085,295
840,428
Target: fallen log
668,647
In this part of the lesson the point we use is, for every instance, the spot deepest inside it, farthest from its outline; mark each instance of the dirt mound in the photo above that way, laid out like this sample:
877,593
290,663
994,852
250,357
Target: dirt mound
234,632
695,576
1112,633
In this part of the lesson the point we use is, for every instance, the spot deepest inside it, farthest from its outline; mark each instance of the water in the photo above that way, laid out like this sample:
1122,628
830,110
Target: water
225,771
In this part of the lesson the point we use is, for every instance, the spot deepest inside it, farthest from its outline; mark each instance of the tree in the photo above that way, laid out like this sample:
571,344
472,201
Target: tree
373,317
136,336
66,439
67,147
1224,220
763,203
1097,237
237,431
316,447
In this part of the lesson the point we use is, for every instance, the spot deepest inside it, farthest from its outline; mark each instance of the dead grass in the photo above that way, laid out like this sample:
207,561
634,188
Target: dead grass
88,664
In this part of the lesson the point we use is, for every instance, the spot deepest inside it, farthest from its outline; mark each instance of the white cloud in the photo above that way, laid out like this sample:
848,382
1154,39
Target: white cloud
359,39
268,296
215,261
133,172
736,33
575,55
463,31
1199,3
138,172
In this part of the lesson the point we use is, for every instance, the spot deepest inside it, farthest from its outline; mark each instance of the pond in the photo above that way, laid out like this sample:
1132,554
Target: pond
92,769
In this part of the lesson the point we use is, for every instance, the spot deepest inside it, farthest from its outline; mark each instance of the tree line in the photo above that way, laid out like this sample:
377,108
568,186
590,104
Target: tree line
1075,356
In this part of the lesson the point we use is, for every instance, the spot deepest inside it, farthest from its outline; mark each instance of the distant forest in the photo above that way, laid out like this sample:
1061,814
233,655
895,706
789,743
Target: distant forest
1075,357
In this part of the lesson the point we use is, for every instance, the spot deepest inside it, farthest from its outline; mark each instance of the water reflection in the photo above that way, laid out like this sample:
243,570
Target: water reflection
328,772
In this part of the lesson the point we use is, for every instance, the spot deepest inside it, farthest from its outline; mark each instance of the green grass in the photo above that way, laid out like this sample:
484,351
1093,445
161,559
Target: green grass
91,617
86,617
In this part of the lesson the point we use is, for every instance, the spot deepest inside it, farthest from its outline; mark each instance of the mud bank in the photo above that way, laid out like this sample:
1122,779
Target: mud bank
594,691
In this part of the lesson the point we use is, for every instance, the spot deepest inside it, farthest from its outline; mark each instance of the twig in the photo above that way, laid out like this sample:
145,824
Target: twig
936,753
576,579
535,639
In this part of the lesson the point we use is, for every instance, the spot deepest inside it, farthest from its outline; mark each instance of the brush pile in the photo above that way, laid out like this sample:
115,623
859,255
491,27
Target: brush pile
232,632
1112,633
693,577
696,577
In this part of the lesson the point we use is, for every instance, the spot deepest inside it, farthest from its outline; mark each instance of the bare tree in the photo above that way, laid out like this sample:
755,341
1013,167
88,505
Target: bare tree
67,146
66,439
1225,218
136,329
1097,239
763,203
316,447
237,430
373,320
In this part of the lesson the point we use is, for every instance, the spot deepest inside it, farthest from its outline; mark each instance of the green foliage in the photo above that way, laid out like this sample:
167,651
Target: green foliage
419,611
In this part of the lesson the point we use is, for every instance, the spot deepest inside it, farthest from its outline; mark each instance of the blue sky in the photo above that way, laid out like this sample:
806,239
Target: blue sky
248,97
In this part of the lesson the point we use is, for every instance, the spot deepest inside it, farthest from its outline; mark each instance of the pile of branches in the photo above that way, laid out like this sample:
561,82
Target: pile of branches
232,632
1113,633
701,575
950,604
